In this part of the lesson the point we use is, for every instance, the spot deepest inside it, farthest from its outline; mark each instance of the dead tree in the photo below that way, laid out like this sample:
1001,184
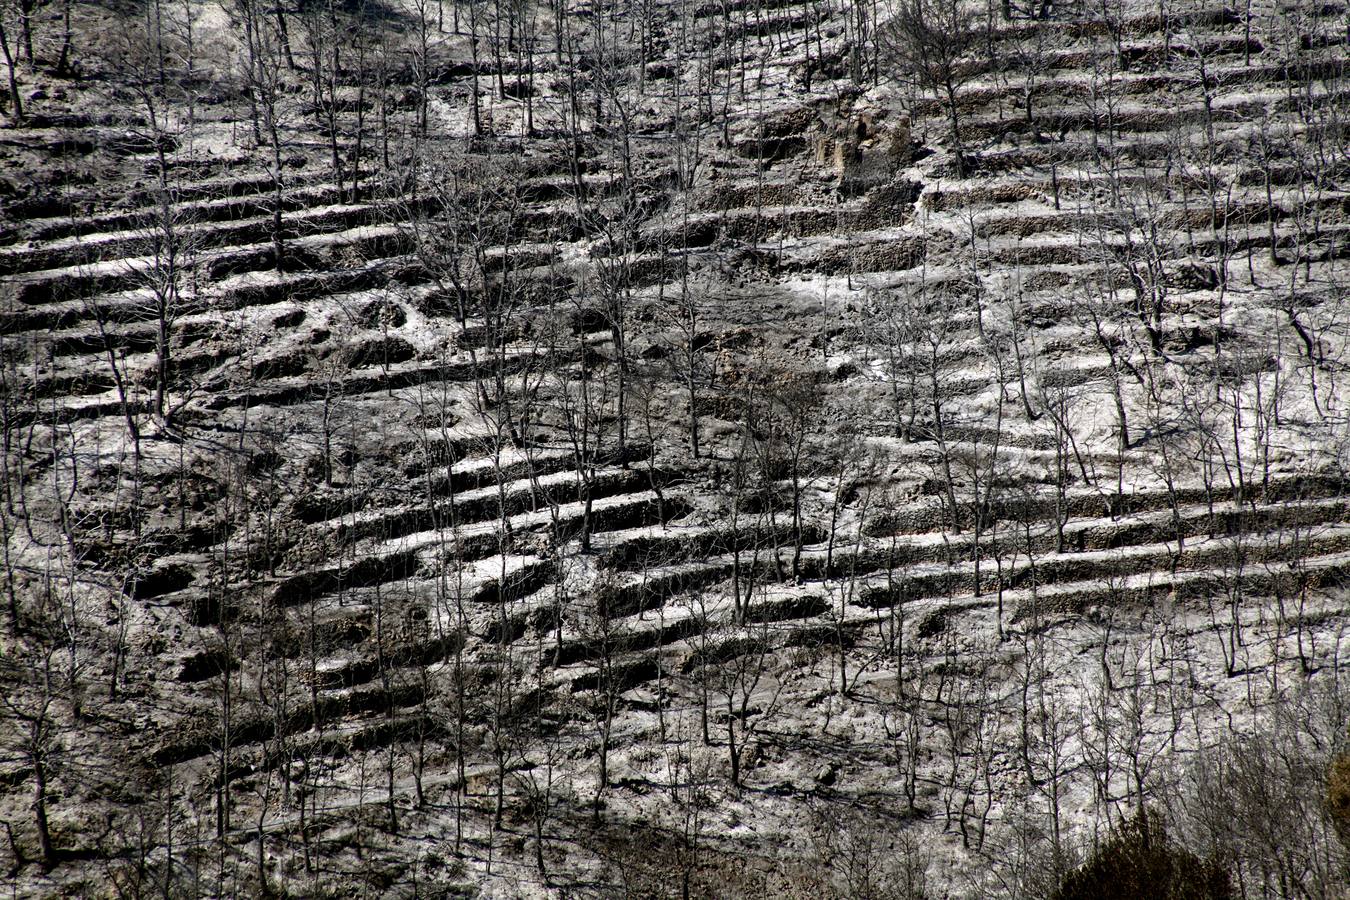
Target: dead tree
15,110
31,719
931,44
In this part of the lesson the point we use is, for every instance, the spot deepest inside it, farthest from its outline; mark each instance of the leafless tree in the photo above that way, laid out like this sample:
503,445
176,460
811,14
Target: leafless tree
933,43
11,52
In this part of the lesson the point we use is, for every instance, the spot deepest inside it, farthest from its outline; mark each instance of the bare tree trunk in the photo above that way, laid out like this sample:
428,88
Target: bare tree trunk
15,103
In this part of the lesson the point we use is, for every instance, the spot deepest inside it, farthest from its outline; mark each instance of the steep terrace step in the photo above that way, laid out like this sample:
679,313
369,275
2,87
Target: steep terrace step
266,288
251,729
803,617
489,502
308,251
465,474
1259,553
95,211
351,671
291,391
678,626
1093,504
464,462
641,548
544,528
908,580
1323,573
250,226
210,201
252,288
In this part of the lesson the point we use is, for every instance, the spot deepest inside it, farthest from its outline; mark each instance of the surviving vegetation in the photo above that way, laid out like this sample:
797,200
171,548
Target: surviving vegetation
674,448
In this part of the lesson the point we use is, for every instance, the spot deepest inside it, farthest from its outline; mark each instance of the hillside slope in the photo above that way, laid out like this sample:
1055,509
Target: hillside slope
661,449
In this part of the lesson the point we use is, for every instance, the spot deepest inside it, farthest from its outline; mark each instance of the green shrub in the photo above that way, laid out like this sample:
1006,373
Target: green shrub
1338,796
1140,862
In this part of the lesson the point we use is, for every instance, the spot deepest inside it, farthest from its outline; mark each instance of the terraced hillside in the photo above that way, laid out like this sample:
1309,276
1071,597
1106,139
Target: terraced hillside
740,449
